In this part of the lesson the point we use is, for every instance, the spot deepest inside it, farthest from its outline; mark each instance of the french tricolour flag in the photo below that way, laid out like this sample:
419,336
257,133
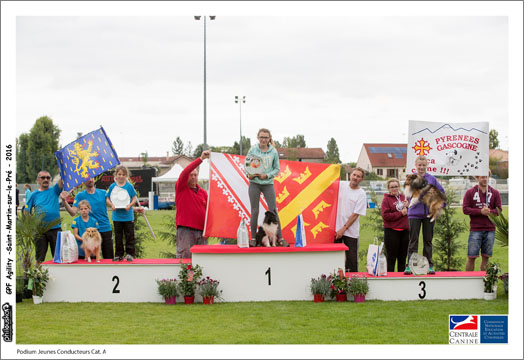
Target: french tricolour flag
301,232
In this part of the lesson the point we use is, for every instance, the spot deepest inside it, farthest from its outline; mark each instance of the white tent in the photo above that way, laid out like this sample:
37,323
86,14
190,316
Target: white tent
170,176
173,174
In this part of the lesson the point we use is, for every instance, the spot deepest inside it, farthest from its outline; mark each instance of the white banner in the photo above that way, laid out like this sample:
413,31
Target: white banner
452,149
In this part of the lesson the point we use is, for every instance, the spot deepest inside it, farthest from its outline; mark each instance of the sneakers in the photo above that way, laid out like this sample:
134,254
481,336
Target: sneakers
407,271
431,271
129,258
118,258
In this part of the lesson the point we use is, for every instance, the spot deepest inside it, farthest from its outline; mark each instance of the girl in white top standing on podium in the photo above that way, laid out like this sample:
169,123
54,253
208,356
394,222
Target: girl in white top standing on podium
123,218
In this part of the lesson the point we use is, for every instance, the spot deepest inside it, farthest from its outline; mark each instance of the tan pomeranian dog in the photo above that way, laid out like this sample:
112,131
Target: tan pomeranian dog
417,188
91,243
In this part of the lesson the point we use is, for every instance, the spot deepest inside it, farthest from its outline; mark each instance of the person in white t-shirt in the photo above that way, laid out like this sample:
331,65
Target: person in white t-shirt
351,205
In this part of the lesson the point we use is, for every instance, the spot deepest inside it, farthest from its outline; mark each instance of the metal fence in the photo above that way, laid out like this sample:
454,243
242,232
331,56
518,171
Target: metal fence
460,187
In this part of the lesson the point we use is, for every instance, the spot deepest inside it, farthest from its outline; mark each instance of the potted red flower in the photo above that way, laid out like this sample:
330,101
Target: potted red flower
339,285
188,276
208,289
320,288
168,289
358,287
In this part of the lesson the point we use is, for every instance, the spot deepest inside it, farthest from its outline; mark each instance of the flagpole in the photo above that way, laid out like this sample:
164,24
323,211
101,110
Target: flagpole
145,218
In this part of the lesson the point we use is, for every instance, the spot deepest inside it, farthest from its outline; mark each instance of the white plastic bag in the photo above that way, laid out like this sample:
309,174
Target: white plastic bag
242,235
372,260
382,265
68,247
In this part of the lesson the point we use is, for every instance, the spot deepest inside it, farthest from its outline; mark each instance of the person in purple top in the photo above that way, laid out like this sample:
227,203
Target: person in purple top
418,217
478,203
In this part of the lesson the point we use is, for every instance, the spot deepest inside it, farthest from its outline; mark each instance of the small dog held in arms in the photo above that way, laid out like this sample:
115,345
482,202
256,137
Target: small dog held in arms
91,242
267,233
417,188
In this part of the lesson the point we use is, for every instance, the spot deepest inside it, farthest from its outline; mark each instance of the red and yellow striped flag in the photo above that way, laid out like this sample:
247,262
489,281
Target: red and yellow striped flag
301,187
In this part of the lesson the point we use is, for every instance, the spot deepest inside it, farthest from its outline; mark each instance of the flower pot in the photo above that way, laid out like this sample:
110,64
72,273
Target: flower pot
189,299
170,300
490,296
37,299
342,297
359,297
318,298
208,300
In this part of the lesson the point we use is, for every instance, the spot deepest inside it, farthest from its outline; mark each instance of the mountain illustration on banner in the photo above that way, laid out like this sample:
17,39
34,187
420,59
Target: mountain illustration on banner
301,232
310,189
86,157
451,148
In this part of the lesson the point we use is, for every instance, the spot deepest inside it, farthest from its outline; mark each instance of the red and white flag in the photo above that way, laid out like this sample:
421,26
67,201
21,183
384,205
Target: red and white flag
310,188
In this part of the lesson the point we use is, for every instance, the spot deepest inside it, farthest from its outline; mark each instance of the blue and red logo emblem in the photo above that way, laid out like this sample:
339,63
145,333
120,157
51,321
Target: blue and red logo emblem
463,322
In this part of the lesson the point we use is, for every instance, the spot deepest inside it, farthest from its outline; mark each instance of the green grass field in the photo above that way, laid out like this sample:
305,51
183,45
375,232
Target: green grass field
302,322
275,322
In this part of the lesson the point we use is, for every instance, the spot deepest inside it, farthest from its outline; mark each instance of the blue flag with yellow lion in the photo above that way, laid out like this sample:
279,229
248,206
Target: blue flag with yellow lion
85,158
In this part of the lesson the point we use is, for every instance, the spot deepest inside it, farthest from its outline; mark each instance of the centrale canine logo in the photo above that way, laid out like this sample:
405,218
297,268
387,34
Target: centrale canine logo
464,322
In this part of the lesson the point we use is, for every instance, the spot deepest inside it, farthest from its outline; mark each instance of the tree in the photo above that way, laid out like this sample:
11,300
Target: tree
246,145
343,172
332,154
447,230
41,147
198,151
22,159
372,176
294,142
277,144
374,216
223,149
188,150
493,139
144,157
178,146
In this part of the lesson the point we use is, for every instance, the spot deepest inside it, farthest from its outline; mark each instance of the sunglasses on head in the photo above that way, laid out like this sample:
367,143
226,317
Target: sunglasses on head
45,177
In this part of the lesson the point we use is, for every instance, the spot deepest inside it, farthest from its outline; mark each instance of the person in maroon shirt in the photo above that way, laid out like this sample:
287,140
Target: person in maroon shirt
478,203
191,202
394,210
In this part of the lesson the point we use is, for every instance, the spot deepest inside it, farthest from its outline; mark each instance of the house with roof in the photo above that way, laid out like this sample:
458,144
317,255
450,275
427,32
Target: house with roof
501,157
315,155
162,163
385,160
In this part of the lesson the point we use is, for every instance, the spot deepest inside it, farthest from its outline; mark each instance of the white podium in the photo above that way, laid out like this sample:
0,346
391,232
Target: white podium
265,274
452,285
109,281
246,274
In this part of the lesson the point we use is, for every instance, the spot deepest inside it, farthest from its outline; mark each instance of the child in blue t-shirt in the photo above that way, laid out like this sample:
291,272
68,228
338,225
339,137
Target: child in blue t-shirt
81,223
122,216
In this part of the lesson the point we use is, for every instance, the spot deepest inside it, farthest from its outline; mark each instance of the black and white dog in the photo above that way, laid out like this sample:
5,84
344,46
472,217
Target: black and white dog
267,233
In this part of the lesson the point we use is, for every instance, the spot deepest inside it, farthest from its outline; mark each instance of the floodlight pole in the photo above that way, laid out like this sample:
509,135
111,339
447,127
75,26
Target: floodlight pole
205,90
240,101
